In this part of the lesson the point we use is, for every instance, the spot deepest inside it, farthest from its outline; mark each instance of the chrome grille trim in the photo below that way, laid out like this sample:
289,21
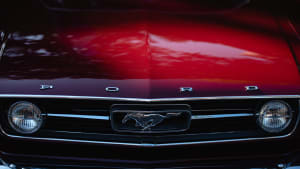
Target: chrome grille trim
142,144
216,110
194,117
148,100
79,116
221,116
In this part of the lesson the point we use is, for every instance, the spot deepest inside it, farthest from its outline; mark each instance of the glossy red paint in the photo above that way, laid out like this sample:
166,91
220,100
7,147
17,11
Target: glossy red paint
151,54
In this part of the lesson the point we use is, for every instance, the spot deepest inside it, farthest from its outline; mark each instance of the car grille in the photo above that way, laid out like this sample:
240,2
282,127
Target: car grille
89,121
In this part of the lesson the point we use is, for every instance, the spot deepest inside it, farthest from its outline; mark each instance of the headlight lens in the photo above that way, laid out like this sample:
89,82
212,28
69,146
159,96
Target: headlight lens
275,116
25,117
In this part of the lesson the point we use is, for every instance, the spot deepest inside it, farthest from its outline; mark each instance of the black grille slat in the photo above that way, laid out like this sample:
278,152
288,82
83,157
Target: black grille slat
99,112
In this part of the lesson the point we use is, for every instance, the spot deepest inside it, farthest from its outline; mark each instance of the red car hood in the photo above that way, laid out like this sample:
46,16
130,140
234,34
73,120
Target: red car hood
151,55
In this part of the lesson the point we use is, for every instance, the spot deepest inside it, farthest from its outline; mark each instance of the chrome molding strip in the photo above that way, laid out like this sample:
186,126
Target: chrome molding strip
148,100
220,116
152,145
216,110
79,116
194,117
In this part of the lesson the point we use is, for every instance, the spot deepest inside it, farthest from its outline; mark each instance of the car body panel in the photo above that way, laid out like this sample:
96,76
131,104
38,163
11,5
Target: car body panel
151,55
148,49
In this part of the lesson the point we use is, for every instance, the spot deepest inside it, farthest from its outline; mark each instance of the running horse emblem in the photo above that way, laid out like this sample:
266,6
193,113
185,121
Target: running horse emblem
146,121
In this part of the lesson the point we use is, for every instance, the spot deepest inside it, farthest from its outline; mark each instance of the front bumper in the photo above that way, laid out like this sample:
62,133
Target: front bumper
14,161
269,154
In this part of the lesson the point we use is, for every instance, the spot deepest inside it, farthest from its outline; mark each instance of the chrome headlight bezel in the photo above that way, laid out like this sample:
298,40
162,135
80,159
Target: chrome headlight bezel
27,108
288,116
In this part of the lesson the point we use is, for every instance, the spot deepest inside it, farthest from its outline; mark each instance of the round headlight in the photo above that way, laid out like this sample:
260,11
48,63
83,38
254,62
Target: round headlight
275,116
25,117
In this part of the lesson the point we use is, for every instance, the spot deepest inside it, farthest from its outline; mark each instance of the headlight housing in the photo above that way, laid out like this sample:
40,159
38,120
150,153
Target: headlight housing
25,117
275,116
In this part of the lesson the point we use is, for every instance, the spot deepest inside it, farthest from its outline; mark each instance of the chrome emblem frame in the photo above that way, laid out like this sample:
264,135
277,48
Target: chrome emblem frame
146,121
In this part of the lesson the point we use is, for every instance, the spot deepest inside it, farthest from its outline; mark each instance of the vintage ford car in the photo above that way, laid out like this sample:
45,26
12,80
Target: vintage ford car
149,84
